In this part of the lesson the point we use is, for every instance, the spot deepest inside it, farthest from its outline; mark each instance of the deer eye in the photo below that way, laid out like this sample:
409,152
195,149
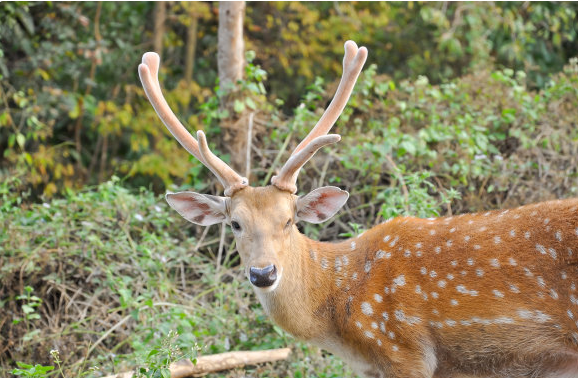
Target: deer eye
288,224
236,226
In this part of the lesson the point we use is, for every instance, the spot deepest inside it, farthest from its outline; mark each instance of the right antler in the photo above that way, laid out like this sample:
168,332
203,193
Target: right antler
148,71
353,62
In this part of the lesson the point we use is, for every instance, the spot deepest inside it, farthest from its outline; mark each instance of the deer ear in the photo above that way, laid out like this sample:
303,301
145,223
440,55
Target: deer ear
321,204
201,209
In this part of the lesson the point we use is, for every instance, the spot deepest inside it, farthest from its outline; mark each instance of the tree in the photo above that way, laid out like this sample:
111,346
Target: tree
231,59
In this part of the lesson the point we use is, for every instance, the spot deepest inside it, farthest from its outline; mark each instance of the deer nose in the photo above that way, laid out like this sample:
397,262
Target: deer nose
263,277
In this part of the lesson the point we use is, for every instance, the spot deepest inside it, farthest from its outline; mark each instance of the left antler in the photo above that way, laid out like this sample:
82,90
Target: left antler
353,62
148,71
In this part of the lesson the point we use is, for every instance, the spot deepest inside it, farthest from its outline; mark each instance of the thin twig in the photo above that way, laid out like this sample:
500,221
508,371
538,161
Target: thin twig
221,246
203,235
111,330
277,158
249,143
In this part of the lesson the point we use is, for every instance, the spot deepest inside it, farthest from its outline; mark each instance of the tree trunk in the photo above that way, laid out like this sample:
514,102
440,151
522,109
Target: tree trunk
159,16
190,48
231,47
231,59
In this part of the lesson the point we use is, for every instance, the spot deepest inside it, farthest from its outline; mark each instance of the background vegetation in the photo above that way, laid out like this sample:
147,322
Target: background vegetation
461,107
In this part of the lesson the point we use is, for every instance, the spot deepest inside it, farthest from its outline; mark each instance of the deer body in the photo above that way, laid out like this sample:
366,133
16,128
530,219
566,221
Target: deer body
481,295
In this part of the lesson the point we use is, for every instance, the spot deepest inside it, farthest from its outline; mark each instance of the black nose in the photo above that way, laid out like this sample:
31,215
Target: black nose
263,277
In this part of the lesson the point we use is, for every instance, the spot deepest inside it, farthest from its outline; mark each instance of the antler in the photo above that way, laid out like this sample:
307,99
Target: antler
148,71
353,62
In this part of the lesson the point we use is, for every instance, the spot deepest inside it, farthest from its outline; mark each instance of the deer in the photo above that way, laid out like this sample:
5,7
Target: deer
490,294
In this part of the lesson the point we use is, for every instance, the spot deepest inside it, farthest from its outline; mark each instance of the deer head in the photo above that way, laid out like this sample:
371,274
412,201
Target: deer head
262,219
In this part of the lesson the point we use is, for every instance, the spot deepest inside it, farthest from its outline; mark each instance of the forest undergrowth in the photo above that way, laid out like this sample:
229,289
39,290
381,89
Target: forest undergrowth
106,279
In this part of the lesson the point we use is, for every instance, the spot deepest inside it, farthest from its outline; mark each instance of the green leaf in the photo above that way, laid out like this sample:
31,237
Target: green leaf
250,103
27,309
21,140
239,106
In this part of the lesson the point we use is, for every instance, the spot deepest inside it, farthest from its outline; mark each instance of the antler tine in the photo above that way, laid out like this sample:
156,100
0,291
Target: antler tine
220,168
148,72
287,177
353,62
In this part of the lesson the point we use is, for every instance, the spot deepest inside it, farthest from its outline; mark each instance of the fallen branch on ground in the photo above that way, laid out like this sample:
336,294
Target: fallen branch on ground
218,362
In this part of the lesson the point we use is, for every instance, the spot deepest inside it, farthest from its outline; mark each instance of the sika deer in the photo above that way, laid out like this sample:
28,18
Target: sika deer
477,295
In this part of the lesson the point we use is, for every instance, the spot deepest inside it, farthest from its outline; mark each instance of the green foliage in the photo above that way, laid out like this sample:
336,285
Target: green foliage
36,371
162,355
72,111
122,272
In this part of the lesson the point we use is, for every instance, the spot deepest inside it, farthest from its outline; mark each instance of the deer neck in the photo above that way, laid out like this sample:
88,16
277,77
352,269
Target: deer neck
304,302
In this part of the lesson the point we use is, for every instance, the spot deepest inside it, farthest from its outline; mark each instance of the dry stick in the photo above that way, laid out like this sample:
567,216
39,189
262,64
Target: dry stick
219,362
111,330
221,246
249,143
203,236
277,158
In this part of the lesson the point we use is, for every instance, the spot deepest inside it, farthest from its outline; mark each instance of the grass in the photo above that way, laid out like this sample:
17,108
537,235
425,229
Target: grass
105,277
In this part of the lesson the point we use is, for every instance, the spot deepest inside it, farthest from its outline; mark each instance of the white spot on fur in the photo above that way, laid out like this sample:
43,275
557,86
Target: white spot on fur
527,234
498,293
454,302
378,298
423,270
353,245
477,247
434,295
514,288
379,254
385,316
462,289
513,233
552,253
450,276
338,264
558,235
432,232
470,261
467,238
479,272
437,249
386,239
367,267
442,283
512,261
366,308
433,274
497,239
454,263
369,334
399,280
313,255
324,263
495,263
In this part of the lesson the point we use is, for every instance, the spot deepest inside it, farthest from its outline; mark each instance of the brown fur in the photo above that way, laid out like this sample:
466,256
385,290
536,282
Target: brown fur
492,301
